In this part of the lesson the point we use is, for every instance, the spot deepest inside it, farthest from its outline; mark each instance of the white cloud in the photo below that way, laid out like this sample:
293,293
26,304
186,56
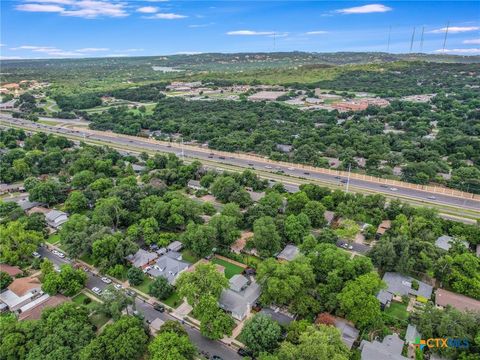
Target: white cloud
188,53
199,25
40,8
10,58
166,16
459,51
83,8
317,32
131,50
472,41
89,50
455,29
365,9
2,45
250,33
116,55
147,9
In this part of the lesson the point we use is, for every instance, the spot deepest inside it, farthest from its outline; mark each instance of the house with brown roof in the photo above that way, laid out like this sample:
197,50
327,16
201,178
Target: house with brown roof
10,270
382,228
443,298
21,292
33,310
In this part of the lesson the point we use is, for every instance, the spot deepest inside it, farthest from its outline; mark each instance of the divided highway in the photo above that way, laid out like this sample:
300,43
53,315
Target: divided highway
139,144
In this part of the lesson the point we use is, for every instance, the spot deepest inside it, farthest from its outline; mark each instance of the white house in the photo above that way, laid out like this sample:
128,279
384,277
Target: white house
56,218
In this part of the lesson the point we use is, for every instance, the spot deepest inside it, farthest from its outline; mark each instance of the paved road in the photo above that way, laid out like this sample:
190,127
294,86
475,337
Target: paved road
257,164
202,343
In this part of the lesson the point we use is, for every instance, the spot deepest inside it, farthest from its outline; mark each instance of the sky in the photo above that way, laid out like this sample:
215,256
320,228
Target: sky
99,28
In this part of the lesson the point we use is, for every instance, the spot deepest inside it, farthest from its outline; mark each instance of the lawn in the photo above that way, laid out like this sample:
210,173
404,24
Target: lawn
173,301
230,269
87,258
80,300
189,257
99,320
143,287
397,310
53,239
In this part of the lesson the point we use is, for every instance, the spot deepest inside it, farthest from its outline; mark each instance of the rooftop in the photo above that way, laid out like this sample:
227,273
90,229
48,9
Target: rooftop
10,270
141,258
289,253
168,268
445,242
399,284
238,282
460,302
389,349
175,246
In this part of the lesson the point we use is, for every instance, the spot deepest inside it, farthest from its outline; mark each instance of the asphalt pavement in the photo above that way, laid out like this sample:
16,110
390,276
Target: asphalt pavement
203,344
257,164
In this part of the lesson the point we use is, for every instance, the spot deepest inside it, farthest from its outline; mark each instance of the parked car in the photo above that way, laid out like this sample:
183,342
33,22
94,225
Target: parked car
249,271
393,189
118,286
268,167
216,357
106,280
130,292
306,173
244,352
159,307
36,255
97,291
431,197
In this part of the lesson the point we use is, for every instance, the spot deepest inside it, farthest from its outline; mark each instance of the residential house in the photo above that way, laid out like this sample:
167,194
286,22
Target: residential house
10,270
284,148
11,188
266,95
382,228
399,285
56,218
329,216
168,267
142,258
240,297
443,298
281,317
21,292
138,168
289,253
256,196
445,242
175,246
33,310
27,205
194,185
389,349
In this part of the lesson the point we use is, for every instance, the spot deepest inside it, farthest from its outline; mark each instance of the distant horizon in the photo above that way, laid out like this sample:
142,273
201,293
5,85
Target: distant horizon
47,29
251,52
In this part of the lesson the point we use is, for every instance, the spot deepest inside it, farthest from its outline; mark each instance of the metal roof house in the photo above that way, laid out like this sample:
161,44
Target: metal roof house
56,218
445,242
240,297
389,349
289,253
175,246
142,258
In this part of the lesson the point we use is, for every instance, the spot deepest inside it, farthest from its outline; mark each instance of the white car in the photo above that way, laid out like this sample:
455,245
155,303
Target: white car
431,197
96,290
291,168
35,254
268,167
59,254
118,286
393,189
106,280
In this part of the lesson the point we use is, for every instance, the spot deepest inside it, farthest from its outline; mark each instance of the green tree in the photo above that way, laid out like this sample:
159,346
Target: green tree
68,281
135,276
169,345
108,212
5,280
266,237
226,231
214,322
204,281
160,288
261,333
360,294
114,302
315,212
124,339
76,202
18,244
199,238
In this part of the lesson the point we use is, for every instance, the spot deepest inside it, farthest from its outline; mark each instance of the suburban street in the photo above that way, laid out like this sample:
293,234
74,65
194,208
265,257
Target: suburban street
257,164
150,314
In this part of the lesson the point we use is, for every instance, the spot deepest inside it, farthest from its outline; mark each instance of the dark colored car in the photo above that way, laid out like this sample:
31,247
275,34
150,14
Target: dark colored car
244,352
249,271
306,173
216,357
159,307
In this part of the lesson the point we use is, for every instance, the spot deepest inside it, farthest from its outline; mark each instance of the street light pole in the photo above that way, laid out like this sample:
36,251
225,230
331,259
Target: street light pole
348,178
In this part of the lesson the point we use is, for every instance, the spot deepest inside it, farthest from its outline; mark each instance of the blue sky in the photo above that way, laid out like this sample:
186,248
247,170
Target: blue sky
85,28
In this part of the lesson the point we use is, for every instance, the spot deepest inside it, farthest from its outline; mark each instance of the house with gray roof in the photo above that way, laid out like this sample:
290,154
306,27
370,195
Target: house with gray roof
389,349
445,242
175,246
56,218
141,258
240,297
400,285
168,267
412,334
289,253
347,330
194,185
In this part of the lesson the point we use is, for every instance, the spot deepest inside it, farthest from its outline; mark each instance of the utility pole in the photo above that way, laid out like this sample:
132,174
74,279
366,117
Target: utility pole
348,178
413,38
183,153
445,39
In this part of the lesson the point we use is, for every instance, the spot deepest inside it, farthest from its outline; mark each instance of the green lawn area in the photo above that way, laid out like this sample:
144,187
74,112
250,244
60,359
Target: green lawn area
174,298
87,258
189,257
251,260
53,239
230,269
397,310
80,298
99,320
143,287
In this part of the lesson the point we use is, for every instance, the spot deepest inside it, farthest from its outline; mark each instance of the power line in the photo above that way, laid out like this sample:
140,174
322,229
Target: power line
411,41
421,39
388,40
445,39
